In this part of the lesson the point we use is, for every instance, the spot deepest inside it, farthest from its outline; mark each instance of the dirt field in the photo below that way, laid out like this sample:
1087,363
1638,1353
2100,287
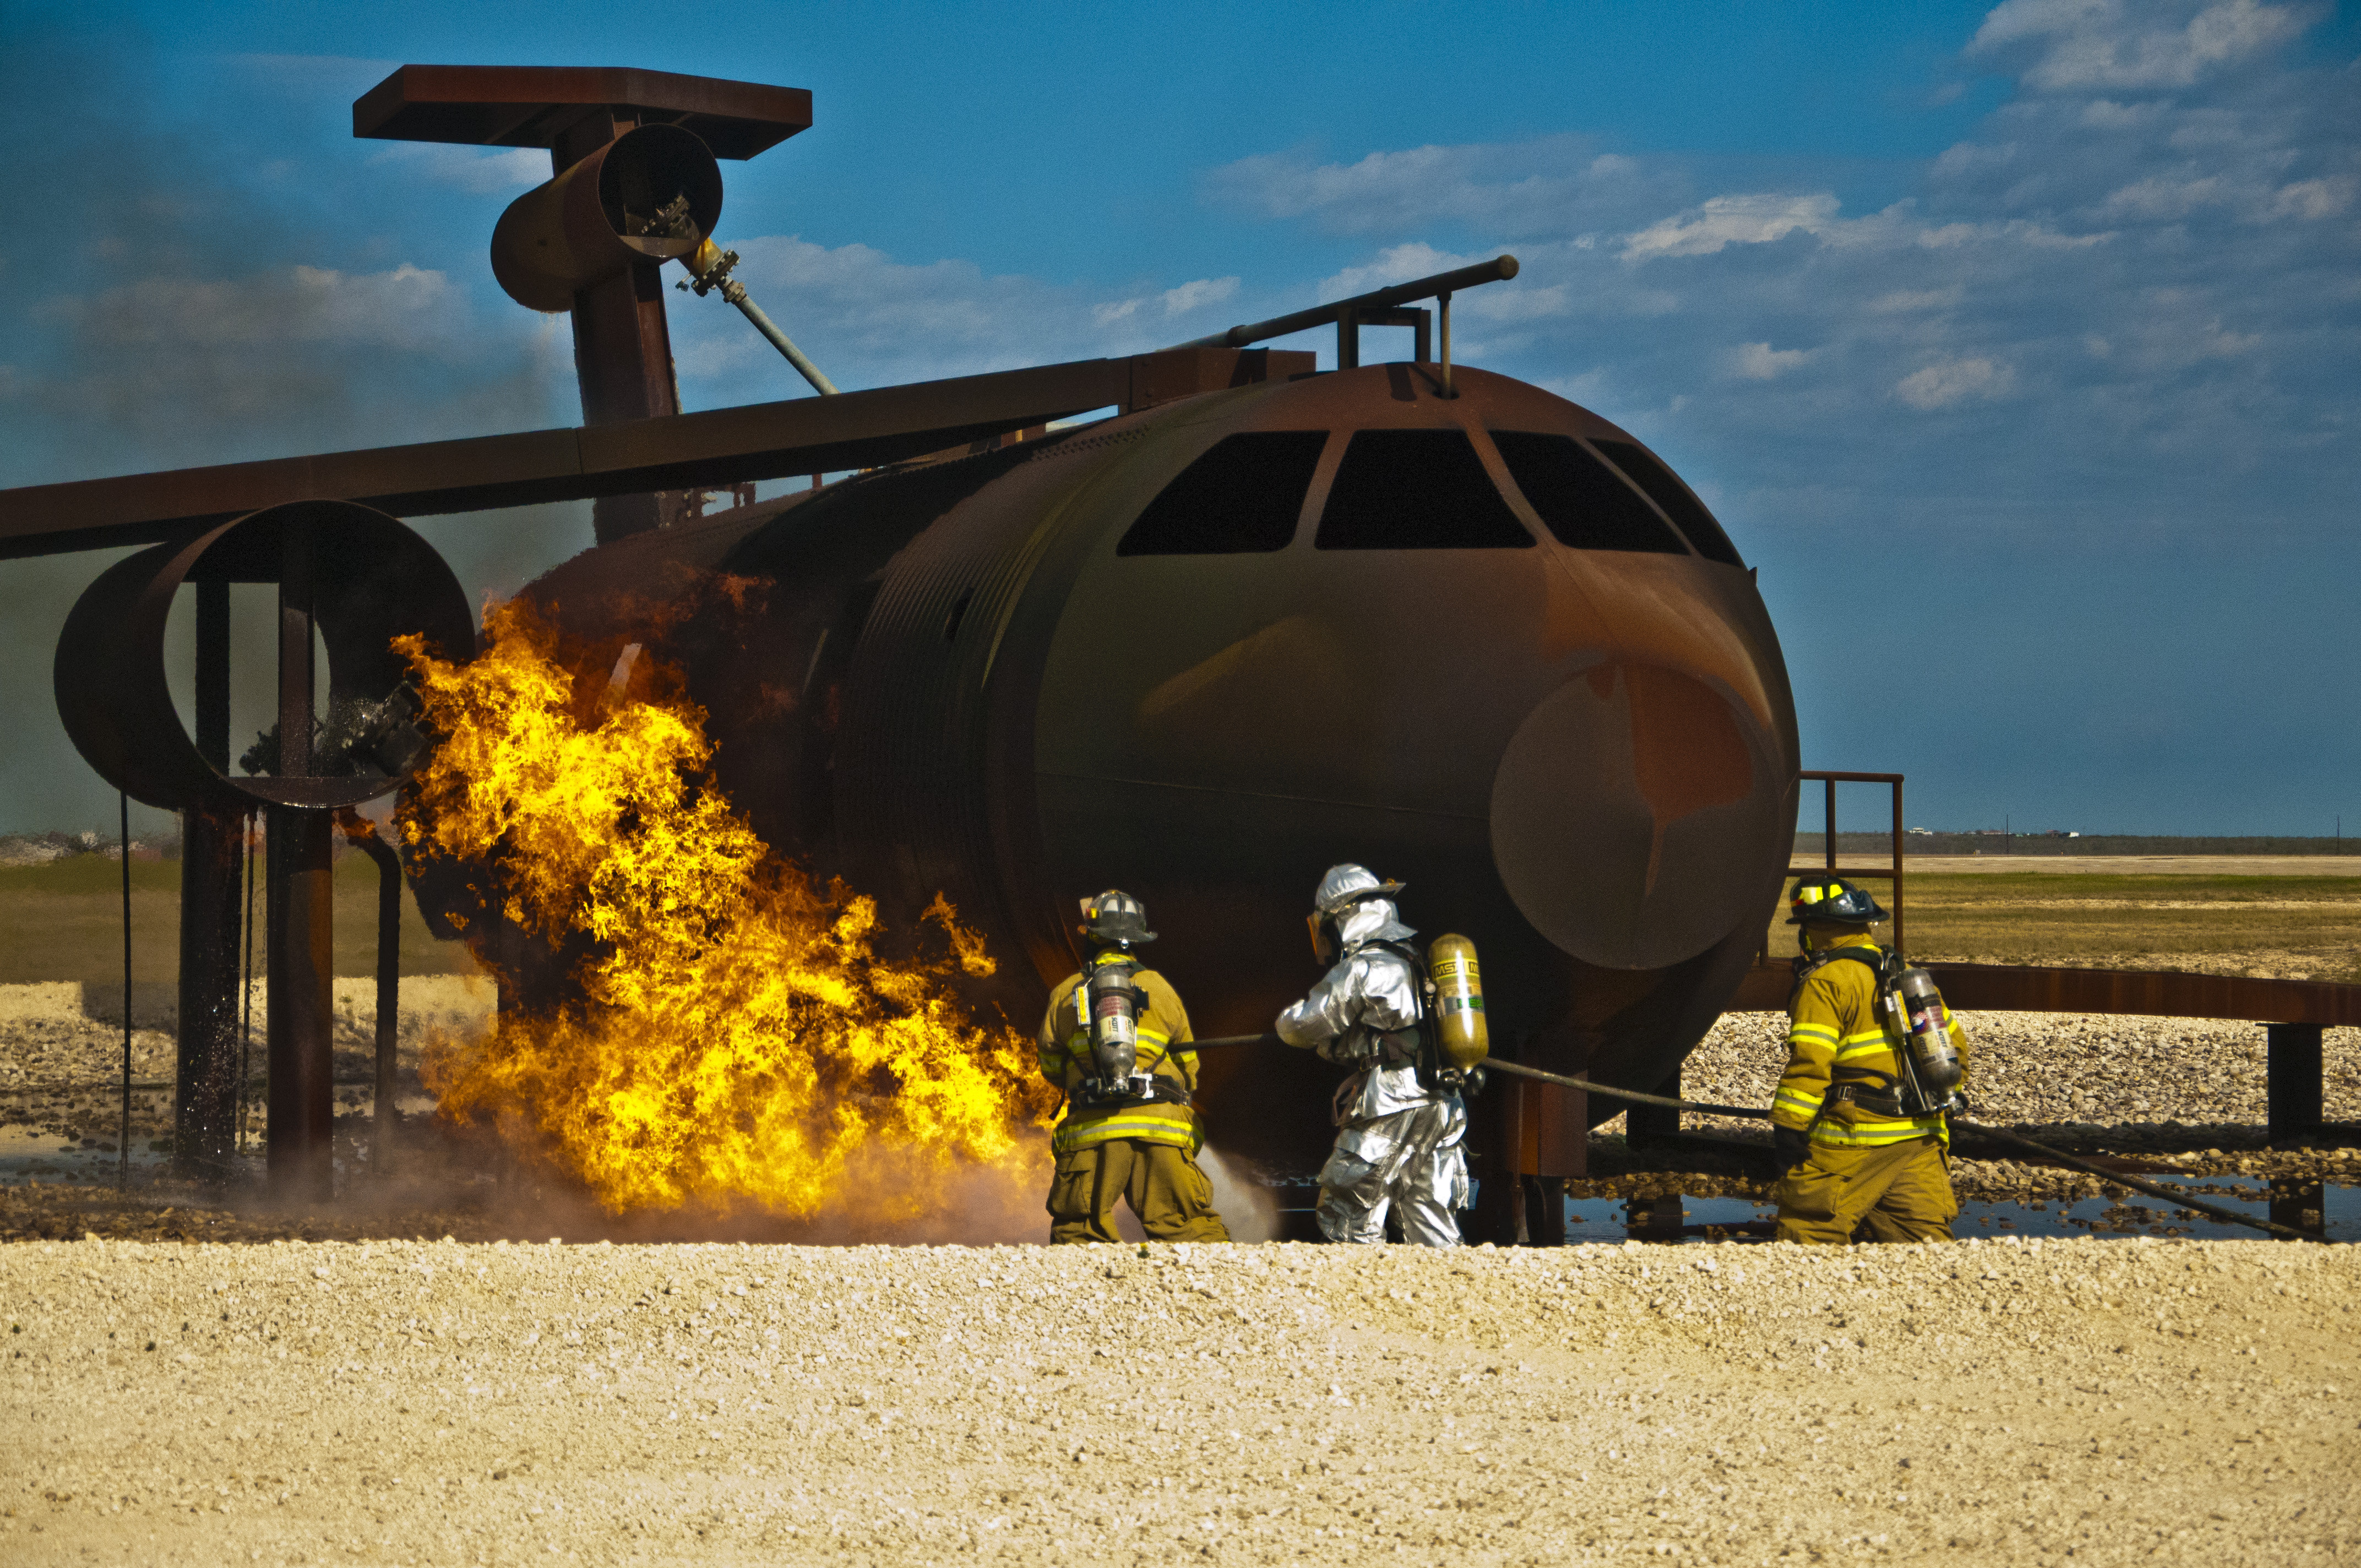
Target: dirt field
2107,1403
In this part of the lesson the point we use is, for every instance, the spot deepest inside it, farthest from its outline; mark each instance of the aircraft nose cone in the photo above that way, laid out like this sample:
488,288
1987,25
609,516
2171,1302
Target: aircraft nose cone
1631,815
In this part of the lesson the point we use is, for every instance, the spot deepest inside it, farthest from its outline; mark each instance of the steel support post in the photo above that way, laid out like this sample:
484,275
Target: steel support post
1654,1120
623,350
1653,1219
213,857
2294,1079
2299,1203
1499,1214
388,988
300,986
1545,1211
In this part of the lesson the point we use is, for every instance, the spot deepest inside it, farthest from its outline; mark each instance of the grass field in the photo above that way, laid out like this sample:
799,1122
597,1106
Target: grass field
64,921
2292,926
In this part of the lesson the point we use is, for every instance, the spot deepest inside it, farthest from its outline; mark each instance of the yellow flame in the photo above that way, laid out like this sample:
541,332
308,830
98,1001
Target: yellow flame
729,1033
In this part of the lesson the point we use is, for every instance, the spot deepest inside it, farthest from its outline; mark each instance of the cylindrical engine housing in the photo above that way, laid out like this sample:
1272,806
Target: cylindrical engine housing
593,220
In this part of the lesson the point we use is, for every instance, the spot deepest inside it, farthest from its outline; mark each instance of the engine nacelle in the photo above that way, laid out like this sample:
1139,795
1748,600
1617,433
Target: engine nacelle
606,212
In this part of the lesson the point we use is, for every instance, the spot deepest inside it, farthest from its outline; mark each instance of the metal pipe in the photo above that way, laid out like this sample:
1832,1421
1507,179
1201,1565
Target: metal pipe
708,270
2229,1216
299,1017
122,1138
735,293
246,985
205,1109
1443,324
360,830
1337,313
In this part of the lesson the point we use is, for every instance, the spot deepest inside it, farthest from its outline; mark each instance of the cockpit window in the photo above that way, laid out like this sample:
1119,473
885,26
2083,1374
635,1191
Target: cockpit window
1243,495
1416,490
1587,504
1669,493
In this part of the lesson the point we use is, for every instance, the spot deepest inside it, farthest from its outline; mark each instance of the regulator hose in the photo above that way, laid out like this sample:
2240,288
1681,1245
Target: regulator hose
1752,1113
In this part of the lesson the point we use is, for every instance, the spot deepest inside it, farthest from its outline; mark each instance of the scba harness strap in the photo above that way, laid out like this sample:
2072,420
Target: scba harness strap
1141,1086
1873,1089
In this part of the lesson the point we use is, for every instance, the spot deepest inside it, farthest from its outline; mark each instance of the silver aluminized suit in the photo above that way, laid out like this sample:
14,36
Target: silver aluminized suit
1397,1144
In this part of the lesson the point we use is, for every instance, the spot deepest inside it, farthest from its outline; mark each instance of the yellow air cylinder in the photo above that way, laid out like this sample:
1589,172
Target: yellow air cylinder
1462,1037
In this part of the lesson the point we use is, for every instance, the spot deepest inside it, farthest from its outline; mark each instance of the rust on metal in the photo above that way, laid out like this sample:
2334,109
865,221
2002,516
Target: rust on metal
359,577
1583,754
713,449
512,105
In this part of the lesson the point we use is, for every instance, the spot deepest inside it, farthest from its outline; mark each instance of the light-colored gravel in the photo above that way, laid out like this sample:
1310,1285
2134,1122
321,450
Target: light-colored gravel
2125,1403
66,1033
2057,1068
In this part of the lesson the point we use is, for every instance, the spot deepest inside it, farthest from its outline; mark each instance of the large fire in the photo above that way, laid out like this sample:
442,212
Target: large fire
730,1035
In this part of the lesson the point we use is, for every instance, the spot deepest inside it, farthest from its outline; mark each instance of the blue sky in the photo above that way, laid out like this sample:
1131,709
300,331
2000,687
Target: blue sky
2020,347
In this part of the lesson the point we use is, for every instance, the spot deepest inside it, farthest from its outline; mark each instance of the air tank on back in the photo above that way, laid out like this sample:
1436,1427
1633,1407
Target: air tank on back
1485,643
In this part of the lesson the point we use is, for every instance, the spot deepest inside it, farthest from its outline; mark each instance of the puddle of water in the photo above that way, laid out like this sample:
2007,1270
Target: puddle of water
1653,1219
27,1155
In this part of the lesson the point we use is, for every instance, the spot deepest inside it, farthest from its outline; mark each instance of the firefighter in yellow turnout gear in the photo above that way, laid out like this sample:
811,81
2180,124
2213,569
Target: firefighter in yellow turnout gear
1853,1154
1114,1039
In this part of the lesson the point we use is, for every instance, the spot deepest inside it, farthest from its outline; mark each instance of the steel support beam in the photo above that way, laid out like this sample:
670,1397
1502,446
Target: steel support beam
622,347
2294,1085
710,449
213,857
300,989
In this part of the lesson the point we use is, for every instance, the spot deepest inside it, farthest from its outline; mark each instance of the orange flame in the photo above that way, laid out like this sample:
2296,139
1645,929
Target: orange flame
731,1036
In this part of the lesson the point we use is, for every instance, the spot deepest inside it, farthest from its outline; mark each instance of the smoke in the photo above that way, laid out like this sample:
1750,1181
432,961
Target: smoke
212,271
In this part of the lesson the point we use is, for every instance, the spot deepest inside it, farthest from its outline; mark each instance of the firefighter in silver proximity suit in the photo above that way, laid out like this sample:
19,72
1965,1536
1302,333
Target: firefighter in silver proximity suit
1398,1142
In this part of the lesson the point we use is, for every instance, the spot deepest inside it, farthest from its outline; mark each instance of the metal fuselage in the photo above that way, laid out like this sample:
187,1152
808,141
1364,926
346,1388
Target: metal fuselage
971,676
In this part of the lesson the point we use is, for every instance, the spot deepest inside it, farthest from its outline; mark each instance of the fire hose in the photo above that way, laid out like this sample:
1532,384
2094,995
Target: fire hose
2228,1216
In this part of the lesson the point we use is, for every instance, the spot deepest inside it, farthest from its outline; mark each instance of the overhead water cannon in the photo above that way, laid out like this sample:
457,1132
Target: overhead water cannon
651,194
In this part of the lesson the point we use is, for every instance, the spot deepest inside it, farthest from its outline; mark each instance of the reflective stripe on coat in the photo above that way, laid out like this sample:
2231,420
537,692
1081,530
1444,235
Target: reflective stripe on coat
1835,1021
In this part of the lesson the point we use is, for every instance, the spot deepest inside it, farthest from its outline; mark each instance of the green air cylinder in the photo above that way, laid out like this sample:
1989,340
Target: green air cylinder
1462,1038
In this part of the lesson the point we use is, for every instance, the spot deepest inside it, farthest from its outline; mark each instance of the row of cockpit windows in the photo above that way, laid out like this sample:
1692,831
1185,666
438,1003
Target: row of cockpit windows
1423,490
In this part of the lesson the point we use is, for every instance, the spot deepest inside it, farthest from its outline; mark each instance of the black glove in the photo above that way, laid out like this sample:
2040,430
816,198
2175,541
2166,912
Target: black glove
1789,1148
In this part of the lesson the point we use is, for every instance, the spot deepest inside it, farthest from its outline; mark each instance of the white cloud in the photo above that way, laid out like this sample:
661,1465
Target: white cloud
1949,381
1761,362
408,309
2312,199
2132,44
1396,264
2162,197
1509,191
479,172
1905,299
1199,293
1731,220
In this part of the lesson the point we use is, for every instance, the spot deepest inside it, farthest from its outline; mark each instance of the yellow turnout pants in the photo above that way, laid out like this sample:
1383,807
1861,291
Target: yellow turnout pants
1162,1184
1902,1192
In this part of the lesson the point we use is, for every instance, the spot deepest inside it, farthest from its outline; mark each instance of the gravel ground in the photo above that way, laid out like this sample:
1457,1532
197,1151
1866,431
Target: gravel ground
2060,1068
2132,1402
61,1051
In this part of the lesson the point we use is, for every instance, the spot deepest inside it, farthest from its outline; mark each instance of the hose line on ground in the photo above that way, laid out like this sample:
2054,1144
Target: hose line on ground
1518,1070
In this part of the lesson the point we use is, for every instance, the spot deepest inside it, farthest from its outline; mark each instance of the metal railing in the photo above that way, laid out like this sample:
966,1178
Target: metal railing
1829,847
